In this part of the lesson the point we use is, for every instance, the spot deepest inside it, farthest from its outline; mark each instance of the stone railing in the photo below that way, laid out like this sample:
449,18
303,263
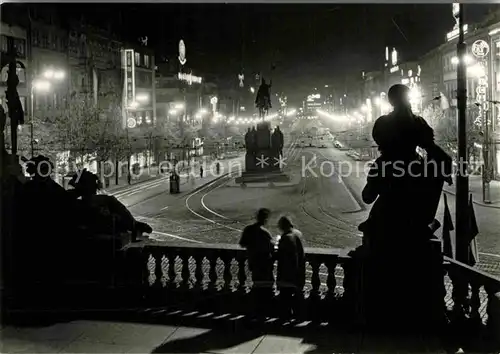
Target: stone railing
474,296
202,274
215,277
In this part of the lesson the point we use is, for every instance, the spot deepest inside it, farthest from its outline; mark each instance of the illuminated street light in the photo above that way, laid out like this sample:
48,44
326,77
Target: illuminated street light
48,74
41,85
53,74
467,59
252,90
476,70
142,97
414,94
59,75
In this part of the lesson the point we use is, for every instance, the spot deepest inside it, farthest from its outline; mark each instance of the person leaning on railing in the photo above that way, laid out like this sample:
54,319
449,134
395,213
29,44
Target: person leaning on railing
105,213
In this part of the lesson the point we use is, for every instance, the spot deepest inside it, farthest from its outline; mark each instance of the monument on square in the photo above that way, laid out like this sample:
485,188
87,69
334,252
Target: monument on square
264,159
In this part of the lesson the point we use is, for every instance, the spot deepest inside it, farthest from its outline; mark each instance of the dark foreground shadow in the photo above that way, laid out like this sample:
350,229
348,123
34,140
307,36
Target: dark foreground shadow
213,332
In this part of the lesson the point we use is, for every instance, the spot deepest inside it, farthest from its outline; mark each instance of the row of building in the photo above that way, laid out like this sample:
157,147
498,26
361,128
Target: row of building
76,57
432,79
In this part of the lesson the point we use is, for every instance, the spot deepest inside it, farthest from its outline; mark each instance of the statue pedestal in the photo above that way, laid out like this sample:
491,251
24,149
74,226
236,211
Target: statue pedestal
262,164
413,296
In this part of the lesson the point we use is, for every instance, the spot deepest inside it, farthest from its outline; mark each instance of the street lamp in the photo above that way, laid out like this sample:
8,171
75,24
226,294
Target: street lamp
53,74
142,97
42,85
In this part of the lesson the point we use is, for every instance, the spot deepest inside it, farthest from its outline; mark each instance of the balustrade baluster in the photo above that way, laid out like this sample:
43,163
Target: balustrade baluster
198,273
227,272
145,266
158,269
459,293
475,301
212,274
172,274
315,281
493,310
331,281
186,274
242,274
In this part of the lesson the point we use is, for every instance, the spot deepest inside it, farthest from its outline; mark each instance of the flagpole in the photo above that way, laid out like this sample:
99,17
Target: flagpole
462,180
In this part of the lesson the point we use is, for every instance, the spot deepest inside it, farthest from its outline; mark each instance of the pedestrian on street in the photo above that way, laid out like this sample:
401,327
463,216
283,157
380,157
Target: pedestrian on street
201,171
217,167
291,267
259,245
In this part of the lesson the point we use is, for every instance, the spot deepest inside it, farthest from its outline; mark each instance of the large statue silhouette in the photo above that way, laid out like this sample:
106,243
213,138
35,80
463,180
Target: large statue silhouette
263,99
405,189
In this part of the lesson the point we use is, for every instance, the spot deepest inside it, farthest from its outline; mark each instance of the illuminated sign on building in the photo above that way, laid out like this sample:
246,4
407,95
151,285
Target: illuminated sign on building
394,57
129,77
480,49
214,101
394,69
131,123
454,34
182,52
189,78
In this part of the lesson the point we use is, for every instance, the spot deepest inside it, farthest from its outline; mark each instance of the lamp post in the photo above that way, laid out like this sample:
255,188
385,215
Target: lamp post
43,84
462,180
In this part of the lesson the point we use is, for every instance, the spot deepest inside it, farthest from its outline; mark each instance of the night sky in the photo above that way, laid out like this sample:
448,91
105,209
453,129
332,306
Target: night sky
309,43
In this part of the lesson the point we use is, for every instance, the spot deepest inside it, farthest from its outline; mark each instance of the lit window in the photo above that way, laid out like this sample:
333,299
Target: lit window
3,44
146,61
137,59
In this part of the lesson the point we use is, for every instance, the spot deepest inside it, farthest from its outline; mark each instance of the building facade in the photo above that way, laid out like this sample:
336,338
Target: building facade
10,33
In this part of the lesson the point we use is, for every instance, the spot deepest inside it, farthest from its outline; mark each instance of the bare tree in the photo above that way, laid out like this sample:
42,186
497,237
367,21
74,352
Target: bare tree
78,128
445,128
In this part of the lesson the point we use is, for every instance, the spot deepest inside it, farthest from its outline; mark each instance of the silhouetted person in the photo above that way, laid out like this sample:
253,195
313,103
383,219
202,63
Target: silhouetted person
49,219
291,266
217,167
253,140
102,209
277,141
201,171
248,140
259,245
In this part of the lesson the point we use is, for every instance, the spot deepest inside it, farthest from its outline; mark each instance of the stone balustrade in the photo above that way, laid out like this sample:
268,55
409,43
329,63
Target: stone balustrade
214,278
188,273
474,296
